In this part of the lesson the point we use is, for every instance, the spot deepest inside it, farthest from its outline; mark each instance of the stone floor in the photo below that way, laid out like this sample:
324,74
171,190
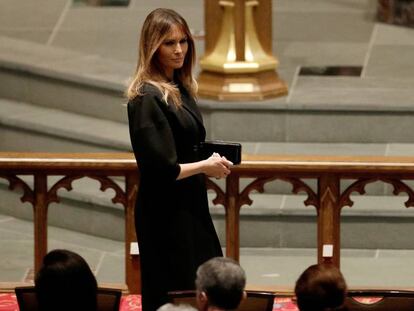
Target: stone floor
266,268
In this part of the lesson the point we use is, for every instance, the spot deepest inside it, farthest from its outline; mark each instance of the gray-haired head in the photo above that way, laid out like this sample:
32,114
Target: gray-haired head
172,307
223,281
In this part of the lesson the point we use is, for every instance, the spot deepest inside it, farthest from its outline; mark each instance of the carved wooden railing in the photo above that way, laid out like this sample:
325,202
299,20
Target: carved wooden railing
73,167
328,198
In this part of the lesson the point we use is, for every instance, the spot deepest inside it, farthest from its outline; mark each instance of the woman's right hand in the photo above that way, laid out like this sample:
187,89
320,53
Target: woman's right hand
217,166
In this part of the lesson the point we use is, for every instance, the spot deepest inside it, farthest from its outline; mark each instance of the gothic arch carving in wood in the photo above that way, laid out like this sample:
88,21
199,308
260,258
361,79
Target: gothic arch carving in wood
106,183
65,182
360,184
17,182
297,184
220,195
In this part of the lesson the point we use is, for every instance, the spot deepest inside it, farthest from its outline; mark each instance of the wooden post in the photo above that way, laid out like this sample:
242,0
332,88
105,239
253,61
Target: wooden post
238,62
40,219
132,261
232,217
329,220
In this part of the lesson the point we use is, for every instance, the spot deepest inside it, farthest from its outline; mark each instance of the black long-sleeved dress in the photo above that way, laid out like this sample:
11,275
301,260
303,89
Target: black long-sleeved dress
173,224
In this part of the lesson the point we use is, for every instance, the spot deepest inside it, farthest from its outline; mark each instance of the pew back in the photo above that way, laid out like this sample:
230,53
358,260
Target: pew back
255,301
107,299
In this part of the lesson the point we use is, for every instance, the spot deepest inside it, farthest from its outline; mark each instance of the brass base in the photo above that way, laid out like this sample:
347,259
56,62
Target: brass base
249,86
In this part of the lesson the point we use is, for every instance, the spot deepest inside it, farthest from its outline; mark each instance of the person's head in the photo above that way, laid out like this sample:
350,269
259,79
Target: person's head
220,284
166,51
320,288
172,307
65,282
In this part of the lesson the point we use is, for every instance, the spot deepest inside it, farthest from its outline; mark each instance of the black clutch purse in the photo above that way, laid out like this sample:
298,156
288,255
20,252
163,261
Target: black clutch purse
230,150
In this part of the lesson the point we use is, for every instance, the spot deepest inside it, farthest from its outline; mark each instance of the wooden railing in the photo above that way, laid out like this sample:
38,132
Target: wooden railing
328,198
100,167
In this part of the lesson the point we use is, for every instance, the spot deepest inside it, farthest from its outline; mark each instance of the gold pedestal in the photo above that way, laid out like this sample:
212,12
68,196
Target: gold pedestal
249,86
237,65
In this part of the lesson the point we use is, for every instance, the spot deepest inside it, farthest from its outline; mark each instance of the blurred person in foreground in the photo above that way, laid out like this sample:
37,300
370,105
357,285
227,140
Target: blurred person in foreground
173,307
220,284
321,288
65,282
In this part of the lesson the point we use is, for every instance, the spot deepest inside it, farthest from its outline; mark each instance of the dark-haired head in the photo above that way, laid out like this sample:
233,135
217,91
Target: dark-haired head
65,282
321,288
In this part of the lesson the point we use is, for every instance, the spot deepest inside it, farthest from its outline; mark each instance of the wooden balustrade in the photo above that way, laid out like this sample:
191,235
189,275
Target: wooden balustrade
328,198
73,167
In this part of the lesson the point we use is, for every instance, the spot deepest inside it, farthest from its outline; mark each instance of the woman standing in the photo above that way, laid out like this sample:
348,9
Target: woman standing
174,228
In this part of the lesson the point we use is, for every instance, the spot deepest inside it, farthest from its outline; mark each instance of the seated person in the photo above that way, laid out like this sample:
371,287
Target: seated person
172,307
65,283
220,284
321,288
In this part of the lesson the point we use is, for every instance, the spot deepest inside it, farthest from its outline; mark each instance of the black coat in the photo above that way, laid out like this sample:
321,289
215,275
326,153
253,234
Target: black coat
174,227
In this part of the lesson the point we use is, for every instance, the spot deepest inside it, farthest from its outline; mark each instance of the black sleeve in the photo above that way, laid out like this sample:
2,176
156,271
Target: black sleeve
152,139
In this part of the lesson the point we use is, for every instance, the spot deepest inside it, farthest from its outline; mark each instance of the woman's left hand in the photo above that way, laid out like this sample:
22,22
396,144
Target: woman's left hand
217,166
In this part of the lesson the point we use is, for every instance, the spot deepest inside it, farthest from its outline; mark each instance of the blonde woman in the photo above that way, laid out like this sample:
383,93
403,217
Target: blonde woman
174,227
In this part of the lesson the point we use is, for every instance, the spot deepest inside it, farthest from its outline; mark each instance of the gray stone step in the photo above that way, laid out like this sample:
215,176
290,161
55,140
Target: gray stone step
320,109
284,221
27,127
58,78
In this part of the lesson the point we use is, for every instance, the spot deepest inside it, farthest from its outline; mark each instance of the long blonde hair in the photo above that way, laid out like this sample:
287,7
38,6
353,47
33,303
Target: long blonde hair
155,29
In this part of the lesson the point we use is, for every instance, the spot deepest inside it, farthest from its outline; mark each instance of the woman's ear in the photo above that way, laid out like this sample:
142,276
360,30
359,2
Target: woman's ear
244,295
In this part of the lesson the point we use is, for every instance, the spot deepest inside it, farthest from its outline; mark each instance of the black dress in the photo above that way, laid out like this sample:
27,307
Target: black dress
173,224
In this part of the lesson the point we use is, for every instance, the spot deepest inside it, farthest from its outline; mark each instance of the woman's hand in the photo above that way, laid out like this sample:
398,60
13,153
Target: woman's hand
217,166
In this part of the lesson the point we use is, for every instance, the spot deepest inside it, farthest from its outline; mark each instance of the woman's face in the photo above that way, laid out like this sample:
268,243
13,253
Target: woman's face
172,51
